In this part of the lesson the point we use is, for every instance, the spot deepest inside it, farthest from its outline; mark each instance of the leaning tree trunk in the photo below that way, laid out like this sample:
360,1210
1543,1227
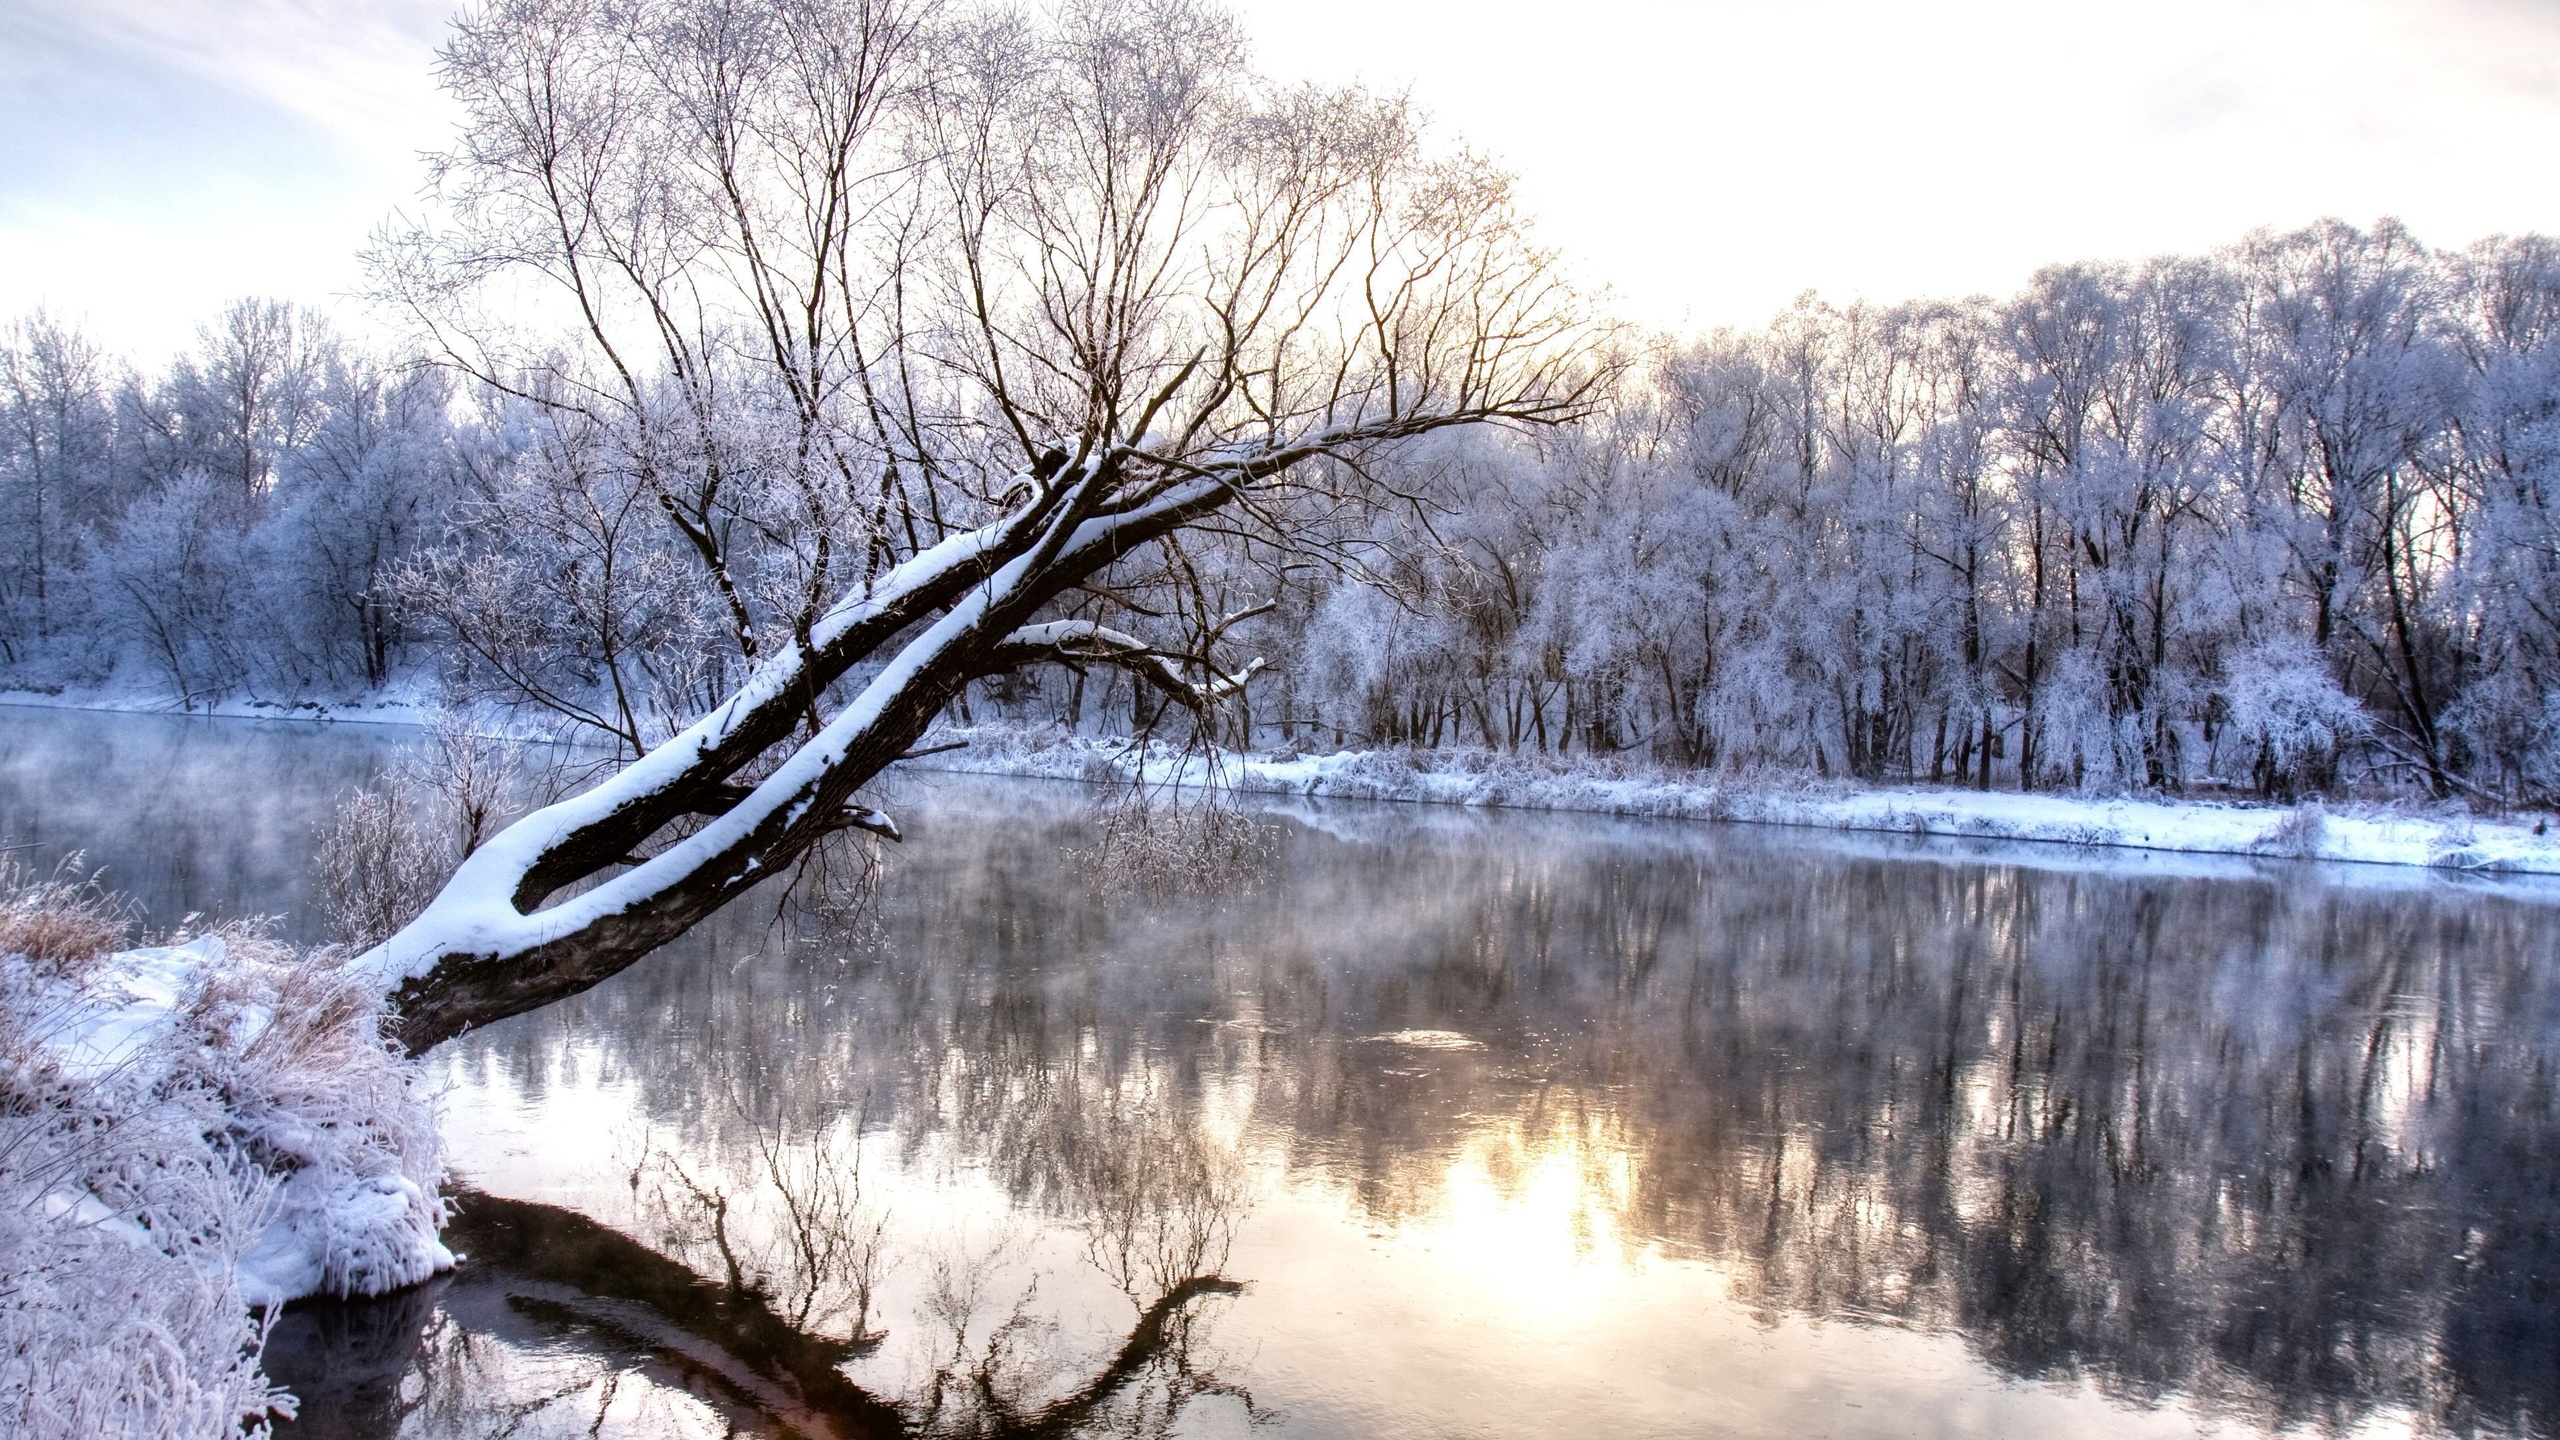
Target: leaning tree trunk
488,947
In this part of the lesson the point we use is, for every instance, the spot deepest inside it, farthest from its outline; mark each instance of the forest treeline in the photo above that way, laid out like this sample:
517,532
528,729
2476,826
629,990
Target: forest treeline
2280,518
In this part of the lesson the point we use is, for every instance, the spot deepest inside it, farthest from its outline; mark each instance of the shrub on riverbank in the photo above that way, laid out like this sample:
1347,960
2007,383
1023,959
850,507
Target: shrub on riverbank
187,1131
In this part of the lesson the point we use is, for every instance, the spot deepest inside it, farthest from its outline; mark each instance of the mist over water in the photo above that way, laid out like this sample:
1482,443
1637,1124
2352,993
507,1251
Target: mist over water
184,813
1450,1123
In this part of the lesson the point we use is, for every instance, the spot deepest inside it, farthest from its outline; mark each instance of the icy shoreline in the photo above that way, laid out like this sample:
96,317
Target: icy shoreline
2358,834
2369,835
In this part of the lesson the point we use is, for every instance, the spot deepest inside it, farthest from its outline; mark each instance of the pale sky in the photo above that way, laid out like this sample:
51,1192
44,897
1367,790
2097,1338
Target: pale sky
1707,160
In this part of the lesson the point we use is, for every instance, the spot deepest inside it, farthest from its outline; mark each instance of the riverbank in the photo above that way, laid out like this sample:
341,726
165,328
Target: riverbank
2371,835
397,706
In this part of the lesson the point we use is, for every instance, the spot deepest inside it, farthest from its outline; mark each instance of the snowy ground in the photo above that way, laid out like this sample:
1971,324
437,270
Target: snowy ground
2370,835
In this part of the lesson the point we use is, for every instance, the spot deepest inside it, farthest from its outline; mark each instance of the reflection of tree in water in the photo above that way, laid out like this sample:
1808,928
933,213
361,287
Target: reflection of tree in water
798,1233
553,1311
2282,1148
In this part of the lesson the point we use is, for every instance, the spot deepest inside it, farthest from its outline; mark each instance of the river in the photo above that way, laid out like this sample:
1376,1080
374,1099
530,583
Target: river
1446,1123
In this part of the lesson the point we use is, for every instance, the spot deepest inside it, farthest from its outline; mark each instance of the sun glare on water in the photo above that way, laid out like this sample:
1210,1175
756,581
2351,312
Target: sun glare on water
1531,1220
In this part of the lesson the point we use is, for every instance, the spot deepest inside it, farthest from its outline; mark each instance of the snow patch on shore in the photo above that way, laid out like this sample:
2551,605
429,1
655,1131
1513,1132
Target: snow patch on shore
195,1129
2363,835
311,1096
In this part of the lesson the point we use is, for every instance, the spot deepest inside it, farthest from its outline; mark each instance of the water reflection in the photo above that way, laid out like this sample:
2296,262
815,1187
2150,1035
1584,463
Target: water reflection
2274,1149
1511,1125
483,1352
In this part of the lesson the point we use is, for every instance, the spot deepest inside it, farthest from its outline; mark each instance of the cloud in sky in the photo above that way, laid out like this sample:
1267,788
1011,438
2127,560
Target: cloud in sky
158,157
1708,159
1713,159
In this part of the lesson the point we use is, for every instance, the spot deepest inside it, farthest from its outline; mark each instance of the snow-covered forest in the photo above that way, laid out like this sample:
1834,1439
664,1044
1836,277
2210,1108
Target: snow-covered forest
2278,518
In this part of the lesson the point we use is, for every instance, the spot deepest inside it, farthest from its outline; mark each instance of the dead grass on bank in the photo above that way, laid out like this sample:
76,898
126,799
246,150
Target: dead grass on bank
60,919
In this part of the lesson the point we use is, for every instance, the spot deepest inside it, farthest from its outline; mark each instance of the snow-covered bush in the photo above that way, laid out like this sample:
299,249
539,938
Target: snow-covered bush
2513,733
1371,661
187,1131
2289,717
1761,711
2085,746
120,1313
2297,836
378,864
316,1098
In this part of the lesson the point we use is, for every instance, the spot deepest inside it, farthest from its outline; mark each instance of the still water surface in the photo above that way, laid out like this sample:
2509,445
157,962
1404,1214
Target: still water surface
1450,1124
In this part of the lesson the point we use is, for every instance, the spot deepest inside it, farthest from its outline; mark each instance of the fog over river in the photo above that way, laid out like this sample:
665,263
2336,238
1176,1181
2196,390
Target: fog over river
1447,1123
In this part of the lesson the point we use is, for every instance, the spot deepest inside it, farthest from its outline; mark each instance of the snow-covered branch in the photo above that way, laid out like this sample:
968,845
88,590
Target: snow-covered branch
1083,642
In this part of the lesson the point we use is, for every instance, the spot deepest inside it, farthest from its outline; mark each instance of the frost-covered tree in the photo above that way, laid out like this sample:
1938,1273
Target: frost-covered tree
242,514
2502,484
250,393
1111,288
2112,388
2360,389
57,439
367,491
